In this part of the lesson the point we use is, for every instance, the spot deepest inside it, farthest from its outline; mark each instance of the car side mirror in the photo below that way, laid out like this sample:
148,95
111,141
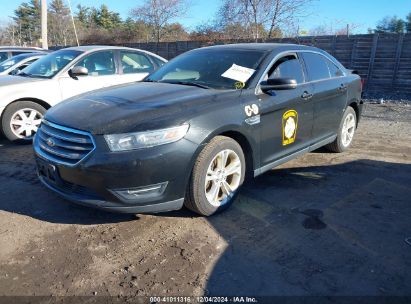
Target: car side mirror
14,72
78,71
278,84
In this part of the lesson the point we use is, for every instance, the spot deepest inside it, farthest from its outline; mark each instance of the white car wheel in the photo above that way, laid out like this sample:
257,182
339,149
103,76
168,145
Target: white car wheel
25,122
21,119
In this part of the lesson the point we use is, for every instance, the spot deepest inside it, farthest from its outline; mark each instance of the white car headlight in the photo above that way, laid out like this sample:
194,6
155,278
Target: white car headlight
133,141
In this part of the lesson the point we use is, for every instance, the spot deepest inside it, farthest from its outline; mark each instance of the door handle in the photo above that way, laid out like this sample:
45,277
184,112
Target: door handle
306,95
342,88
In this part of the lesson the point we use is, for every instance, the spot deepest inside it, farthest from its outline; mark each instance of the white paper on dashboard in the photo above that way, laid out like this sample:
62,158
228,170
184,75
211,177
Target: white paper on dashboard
239,73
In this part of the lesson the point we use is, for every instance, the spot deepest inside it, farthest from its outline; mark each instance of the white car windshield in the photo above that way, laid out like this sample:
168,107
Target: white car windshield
10,62
51,64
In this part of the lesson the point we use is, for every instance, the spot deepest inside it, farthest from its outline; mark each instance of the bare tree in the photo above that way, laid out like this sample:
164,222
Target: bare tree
251,15
8,33
334,27
284,13
259,16
160,13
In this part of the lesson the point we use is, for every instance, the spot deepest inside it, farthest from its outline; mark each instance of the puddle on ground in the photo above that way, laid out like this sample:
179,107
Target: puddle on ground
313,220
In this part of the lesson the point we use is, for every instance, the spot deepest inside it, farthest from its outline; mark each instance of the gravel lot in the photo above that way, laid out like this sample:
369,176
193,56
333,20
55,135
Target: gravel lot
324,224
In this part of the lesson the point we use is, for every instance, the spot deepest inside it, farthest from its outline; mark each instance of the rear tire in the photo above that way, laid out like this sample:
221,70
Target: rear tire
346,132
21,119
217,176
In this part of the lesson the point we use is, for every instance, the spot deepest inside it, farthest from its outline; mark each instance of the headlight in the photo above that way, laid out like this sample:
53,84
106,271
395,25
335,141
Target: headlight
132,141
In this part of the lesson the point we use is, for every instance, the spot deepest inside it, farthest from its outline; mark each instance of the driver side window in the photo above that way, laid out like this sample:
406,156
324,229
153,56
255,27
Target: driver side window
99,63
287,67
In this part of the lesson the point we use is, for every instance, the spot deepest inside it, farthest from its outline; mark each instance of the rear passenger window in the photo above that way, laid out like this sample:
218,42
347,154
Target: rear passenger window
3,56
133,62
18,53
287,67
157,61
334,70
317,67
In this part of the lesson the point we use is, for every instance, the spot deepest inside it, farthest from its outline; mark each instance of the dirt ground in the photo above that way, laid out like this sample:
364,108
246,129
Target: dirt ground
323,224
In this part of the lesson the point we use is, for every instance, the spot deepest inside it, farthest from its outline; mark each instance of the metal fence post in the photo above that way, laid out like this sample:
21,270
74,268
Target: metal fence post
372,59
397,58
353,52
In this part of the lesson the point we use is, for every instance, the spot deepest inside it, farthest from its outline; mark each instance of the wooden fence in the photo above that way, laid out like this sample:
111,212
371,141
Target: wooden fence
382,60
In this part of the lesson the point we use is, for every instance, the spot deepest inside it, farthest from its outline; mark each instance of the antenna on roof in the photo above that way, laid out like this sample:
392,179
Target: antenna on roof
72,20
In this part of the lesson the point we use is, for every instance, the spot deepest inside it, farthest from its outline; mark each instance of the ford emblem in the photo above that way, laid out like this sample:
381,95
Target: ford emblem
50,142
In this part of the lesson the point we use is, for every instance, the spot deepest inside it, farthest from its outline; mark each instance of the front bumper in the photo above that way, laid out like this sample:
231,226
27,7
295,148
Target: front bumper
96,180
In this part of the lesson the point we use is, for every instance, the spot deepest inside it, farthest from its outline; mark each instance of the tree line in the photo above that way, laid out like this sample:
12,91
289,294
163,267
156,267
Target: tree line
152,21
155,21
393,24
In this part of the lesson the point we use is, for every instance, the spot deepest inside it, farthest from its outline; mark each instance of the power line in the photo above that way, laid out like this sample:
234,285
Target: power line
72,20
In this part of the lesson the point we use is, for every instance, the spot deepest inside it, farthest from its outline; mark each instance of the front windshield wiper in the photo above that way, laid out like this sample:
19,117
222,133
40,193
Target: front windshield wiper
189,83
23,74
149,80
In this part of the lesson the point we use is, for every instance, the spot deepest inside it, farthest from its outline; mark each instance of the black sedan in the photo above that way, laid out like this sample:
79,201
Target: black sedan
191,131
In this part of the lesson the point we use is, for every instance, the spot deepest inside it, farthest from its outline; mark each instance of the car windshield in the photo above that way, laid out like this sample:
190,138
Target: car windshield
10,62
50,65
204,68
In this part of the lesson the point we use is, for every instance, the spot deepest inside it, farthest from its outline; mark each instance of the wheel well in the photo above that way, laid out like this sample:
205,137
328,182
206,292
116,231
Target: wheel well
245,145
39,101
354,105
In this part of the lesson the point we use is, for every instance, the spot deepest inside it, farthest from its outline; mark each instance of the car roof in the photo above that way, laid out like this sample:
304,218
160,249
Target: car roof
28,55
90,48
20,48
261,46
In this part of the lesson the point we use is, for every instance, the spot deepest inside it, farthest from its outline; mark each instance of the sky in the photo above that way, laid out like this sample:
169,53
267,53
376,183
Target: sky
336,13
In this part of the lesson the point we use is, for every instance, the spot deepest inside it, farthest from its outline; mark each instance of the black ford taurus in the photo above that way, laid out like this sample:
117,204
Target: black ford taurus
191,131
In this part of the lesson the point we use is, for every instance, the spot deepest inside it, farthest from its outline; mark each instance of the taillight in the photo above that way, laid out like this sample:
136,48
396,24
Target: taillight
362,83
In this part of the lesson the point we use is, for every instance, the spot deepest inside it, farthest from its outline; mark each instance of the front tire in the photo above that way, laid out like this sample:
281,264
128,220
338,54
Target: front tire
21,120
217,175
346,132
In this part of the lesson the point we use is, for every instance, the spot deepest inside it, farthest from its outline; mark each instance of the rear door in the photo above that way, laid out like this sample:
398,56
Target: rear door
330,94
286,115
102,72
134,66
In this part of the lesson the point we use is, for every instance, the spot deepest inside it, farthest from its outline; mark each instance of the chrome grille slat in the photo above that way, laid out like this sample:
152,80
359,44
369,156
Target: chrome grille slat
63,145
66,145
64,136
61,153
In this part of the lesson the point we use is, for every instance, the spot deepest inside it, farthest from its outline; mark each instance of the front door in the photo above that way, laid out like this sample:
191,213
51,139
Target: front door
102,72
286,115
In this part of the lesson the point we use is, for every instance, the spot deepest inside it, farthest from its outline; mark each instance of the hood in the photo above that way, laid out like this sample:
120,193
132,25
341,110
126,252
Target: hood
7,80
136,107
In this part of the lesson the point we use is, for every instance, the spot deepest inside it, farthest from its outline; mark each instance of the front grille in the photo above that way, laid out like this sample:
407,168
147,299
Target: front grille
63,145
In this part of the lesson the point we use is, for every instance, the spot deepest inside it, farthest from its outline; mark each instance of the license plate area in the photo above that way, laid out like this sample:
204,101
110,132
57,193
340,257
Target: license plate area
48,171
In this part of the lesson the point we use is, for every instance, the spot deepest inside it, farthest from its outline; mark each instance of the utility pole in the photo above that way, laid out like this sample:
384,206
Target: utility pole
44,24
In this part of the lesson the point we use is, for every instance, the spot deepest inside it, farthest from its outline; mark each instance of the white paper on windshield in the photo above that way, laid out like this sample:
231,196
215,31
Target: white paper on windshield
238,73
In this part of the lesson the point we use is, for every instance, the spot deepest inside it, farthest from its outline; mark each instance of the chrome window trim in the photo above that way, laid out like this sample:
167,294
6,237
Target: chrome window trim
258,91
66,129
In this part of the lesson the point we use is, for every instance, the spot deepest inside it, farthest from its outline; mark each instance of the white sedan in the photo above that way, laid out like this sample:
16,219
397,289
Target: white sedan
17,63
25,97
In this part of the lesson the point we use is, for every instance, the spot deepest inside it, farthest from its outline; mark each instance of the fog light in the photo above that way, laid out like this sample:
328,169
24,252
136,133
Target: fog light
135,194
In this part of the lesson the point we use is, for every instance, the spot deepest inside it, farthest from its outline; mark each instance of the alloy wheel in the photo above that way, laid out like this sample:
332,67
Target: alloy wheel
348,129
223,177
